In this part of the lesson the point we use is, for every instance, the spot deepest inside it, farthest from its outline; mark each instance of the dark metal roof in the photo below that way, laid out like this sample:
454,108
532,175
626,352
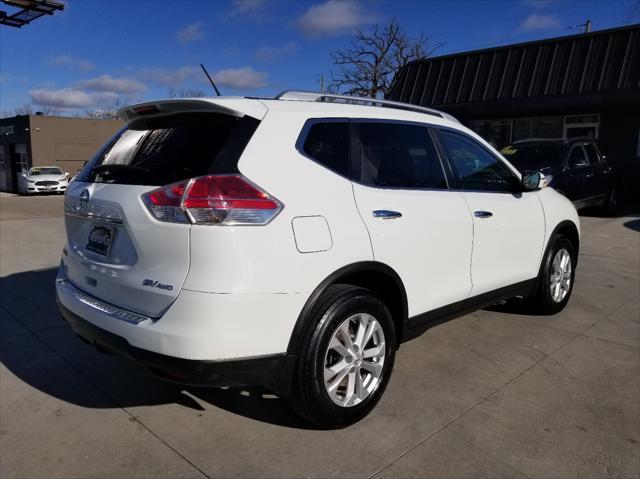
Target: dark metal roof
589,64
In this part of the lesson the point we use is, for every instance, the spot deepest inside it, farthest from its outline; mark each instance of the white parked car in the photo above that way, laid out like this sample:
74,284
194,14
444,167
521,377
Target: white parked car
296,242
43,179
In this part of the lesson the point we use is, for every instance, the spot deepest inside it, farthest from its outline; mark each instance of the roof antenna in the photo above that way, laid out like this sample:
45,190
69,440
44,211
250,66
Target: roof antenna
210,80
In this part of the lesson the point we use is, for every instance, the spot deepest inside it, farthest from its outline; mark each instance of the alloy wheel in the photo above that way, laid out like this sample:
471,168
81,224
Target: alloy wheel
354,360
560,282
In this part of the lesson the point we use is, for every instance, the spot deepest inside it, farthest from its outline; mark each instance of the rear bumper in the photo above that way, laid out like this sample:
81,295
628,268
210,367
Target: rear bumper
274,372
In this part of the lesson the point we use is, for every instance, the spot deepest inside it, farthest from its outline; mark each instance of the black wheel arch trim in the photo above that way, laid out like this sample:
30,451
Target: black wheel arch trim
300,327
563,224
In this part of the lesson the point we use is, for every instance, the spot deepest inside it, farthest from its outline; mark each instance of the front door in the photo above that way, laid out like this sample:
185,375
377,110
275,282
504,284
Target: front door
508,225
417,225
578,175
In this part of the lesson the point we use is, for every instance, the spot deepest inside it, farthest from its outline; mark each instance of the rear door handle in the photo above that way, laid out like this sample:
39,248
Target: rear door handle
482,214
387,214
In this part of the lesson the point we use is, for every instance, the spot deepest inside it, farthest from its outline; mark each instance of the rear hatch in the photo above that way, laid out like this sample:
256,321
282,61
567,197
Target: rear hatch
117,251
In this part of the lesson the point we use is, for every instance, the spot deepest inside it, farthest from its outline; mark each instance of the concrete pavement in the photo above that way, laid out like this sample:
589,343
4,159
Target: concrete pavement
496,393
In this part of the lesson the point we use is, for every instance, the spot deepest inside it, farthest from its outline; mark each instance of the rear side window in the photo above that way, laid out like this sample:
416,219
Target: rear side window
399,156
160,151
475,167
327,143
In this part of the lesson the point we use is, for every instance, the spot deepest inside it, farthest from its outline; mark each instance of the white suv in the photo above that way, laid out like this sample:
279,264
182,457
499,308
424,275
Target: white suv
296,242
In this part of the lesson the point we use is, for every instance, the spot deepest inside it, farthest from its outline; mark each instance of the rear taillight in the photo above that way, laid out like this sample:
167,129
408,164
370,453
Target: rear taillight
213,200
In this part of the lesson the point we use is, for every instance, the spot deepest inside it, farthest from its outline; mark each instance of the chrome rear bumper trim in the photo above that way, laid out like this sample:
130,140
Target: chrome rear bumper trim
65,287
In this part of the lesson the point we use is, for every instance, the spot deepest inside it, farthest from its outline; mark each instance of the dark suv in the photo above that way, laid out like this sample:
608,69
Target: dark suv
577,167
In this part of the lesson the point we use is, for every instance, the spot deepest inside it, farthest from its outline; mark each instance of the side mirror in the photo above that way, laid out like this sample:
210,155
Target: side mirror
66,173
531,180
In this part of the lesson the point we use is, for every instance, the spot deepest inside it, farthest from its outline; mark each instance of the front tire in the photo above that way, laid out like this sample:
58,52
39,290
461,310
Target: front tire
556,278
346,357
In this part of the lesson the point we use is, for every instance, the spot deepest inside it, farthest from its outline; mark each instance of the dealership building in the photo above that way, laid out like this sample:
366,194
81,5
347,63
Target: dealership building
38,140
579,85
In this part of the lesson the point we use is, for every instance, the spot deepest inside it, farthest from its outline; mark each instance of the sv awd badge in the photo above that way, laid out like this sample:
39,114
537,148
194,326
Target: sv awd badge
156,284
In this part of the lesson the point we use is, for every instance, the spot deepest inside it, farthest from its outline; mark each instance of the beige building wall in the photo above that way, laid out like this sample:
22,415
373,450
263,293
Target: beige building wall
68,142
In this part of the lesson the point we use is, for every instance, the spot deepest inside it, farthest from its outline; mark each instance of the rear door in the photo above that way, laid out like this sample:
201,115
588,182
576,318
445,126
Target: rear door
417,225
116,250
508,225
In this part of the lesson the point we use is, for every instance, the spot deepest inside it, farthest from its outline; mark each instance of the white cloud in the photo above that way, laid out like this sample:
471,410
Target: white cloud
107,83
537,21
269,54
246,8
190,33
171,77
245,78
335,17
70,62
69,98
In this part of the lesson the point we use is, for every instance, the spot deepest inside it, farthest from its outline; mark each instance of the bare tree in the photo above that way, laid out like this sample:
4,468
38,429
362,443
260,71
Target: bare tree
368,67
105,110
185,93
25,109
50,111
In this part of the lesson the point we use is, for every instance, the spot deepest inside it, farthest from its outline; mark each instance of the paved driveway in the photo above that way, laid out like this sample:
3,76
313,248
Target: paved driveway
494,394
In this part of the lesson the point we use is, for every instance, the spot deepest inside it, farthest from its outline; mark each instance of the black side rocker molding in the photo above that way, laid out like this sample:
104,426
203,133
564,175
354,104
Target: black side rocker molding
416,325
272,372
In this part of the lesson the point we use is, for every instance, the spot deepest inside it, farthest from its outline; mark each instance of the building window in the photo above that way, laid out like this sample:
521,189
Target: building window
582,125
22,163
496,132
541,127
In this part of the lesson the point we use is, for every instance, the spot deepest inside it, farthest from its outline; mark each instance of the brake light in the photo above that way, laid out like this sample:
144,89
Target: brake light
213,200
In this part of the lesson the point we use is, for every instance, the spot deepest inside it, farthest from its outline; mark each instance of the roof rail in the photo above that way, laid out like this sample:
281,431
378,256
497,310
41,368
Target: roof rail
297,95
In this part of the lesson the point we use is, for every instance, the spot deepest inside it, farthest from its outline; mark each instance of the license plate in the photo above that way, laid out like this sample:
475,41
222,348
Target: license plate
100,240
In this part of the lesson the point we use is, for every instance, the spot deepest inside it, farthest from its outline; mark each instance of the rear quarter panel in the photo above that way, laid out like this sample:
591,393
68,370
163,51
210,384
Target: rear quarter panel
265,259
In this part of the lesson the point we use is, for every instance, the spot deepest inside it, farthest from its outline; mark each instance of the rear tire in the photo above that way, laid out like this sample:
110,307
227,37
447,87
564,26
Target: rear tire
556,278
345,359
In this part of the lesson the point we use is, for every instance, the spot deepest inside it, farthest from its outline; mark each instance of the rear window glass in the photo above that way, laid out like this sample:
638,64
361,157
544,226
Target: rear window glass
159,151
328,144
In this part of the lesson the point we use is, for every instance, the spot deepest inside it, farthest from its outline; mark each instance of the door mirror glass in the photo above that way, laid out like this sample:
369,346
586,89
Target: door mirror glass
531,180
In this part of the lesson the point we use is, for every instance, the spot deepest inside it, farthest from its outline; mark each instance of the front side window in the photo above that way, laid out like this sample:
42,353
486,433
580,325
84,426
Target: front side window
399,156
577,157
328,144
592,153
474,166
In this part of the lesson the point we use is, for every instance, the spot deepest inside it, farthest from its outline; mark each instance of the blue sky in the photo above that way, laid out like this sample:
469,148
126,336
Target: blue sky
95,52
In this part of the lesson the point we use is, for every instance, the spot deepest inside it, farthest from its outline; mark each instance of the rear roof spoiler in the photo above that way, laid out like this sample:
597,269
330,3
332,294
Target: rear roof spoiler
234,106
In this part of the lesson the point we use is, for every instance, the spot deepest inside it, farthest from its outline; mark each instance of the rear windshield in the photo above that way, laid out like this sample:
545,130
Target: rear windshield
160,151
533,157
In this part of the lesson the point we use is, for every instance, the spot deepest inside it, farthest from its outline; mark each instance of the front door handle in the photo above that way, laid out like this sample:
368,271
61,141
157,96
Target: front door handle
387,214
482,214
